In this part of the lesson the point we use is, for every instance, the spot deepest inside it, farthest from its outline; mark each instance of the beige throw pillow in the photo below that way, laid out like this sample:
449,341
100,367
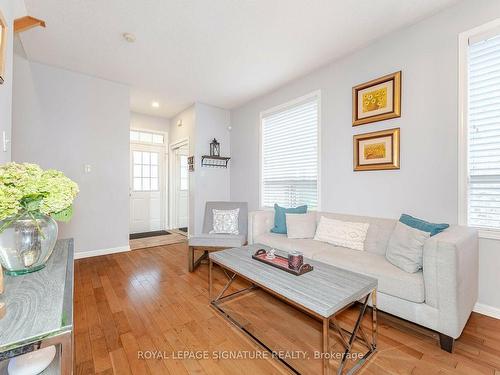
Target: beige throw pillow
301,225
406,248
342,233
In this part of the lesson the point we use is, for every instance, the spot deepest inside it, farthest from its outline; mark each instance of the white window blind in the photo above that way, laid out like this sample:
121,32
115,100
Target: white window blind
290,155
484,133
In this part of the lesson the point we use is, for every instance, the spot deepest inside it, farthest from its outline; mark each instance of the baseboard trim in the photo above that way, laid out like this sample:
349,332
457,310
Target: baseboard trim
95,253
491,311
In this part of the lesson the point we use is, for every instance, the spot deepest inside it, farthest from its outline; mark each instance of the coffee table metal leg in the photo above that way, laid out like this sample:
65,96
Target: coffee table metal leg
374,319
210,265
326,346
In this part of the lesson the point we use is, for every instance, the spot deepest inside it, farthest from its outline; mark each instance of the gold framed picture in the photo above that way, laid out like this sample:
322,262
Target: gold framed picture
377,100
3,45
377,150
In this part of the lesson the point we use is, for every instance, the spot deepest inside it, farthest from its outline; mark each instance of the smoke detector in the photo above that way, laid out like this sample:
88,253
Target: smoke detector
129,37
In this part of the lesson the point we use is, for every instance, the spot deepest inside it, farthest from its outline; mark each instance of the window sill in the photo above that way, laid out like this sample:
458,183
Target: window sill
490,234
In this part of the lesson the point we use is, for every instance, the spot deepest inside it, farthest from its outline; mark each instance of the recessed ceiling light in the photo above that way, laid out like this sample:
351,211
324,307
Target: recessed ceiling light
129,37
155,105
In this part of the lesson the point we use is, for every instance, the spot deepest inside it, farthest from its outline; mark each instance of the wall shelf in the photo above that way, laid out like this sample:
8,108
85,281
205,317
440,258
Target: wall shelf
214,161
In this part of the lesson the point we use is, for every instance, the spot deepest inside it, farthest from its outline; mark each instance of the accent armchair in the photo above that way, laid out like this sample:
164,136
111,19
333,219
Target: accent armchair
207,242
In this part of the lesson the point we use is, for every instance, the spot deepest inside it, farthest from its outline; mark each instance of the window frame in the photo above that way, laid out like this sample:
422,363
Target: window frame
142,165
315,94
463,125
152,132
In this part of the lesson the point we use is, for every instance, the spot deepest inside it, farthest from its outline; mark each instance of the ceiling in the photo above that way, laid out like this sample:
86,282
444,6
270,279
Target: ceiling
219,52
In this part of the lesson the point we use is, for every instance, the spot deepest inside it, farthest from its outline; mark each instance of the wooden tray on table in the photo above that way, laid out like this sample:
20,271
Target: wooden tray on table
281,262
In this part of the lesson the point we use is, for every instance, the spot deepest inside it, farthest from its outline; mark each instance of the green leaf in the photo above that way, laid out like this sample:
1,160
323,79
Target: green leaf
32,202
64,215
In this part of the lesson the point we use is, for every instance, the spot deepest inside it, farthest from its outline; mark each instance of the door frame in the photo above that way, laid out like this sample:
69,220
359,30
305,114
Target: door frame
171,195
164,179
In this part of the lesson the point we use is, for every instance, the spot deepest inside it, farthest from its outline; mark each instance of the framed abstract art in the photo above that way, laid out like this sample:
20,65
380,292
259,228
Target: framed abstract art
377,100
377,150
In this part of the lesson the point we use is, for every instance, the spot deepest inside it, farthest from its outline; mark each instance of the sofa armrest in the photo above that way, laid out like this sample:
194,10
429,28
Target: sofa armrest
451,277
259,222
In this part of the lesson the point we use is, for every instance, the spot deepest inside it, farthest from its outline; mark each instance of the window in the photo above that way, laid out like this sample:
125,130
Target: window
482,131
145,171
138,136
289,148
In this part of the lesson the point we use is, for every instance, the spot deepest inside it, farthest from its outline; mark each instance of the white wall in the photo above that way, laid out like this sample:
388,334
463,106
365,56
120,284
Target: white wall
426,185
147,122
64,120
7,8
200,124
212,184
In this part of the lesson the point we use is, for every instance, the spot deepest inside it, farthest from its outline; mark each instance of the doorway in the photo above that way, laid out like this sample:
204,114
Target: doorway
147,183
179,197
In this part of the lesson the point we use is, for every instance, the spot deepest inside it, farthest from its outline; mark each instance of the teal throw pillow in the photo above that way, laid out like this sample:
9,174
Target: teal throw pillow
422,225
280,217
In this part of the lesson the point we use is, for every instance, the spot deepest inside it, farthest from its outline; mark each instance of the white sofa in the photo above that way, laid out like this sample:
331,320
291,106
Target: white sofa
439,297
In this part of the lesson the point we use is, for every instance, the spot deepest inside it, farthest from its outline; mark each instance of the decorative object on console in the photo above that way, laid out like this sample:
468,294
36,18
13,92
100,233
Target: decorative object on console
3,45
190,161
225,221
377,100
31,200
377,150
301,225
270,254
280,217
342,233
32,363
423,225
281,262
295,260
406,248
214,148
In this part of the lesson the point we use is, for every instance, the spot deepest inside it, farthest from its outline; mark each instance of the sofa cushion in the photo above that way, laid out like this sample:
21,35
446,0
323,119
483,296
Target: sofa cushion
342,233
406,248
378,234
280,241
280,218
391,279
423,225
301,225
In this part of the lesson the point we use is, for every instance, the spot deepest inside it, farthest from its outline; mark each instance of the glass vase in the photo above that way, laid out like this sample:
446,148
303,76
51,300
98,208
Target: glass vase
27,243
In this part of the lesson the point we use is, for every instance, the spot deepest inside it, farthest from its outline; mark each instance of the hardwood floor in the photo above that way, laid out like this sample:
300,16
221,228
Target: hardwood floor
138,312
175,236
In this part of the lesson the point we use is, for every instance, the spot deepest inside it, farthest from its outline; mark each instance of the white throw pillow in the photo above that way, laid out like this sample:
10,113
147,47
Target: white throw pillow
406,247
225,221
301,225
342,233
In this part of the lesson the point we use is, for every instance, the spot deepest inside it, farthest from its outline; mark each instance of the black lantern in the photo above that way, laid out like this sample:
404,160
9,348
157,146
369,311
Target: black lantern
214,148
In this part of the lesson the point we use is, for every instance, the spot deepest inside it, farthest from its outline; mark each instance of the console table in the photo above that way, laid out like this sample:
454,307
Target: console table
39,312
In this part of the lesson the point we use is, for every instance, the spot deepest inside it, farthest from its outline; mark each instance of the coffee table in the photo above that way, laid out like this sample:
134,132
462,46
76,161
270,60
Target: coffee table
322,293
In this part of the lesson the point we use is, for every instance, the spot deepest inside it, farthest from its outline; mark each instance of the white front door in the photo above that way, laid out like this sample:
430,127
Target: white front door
146,188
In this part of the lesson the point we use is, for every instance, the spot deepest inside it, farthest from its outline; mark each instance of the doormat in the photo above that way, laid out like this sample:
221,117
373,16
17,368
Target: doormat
184,229
135,236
